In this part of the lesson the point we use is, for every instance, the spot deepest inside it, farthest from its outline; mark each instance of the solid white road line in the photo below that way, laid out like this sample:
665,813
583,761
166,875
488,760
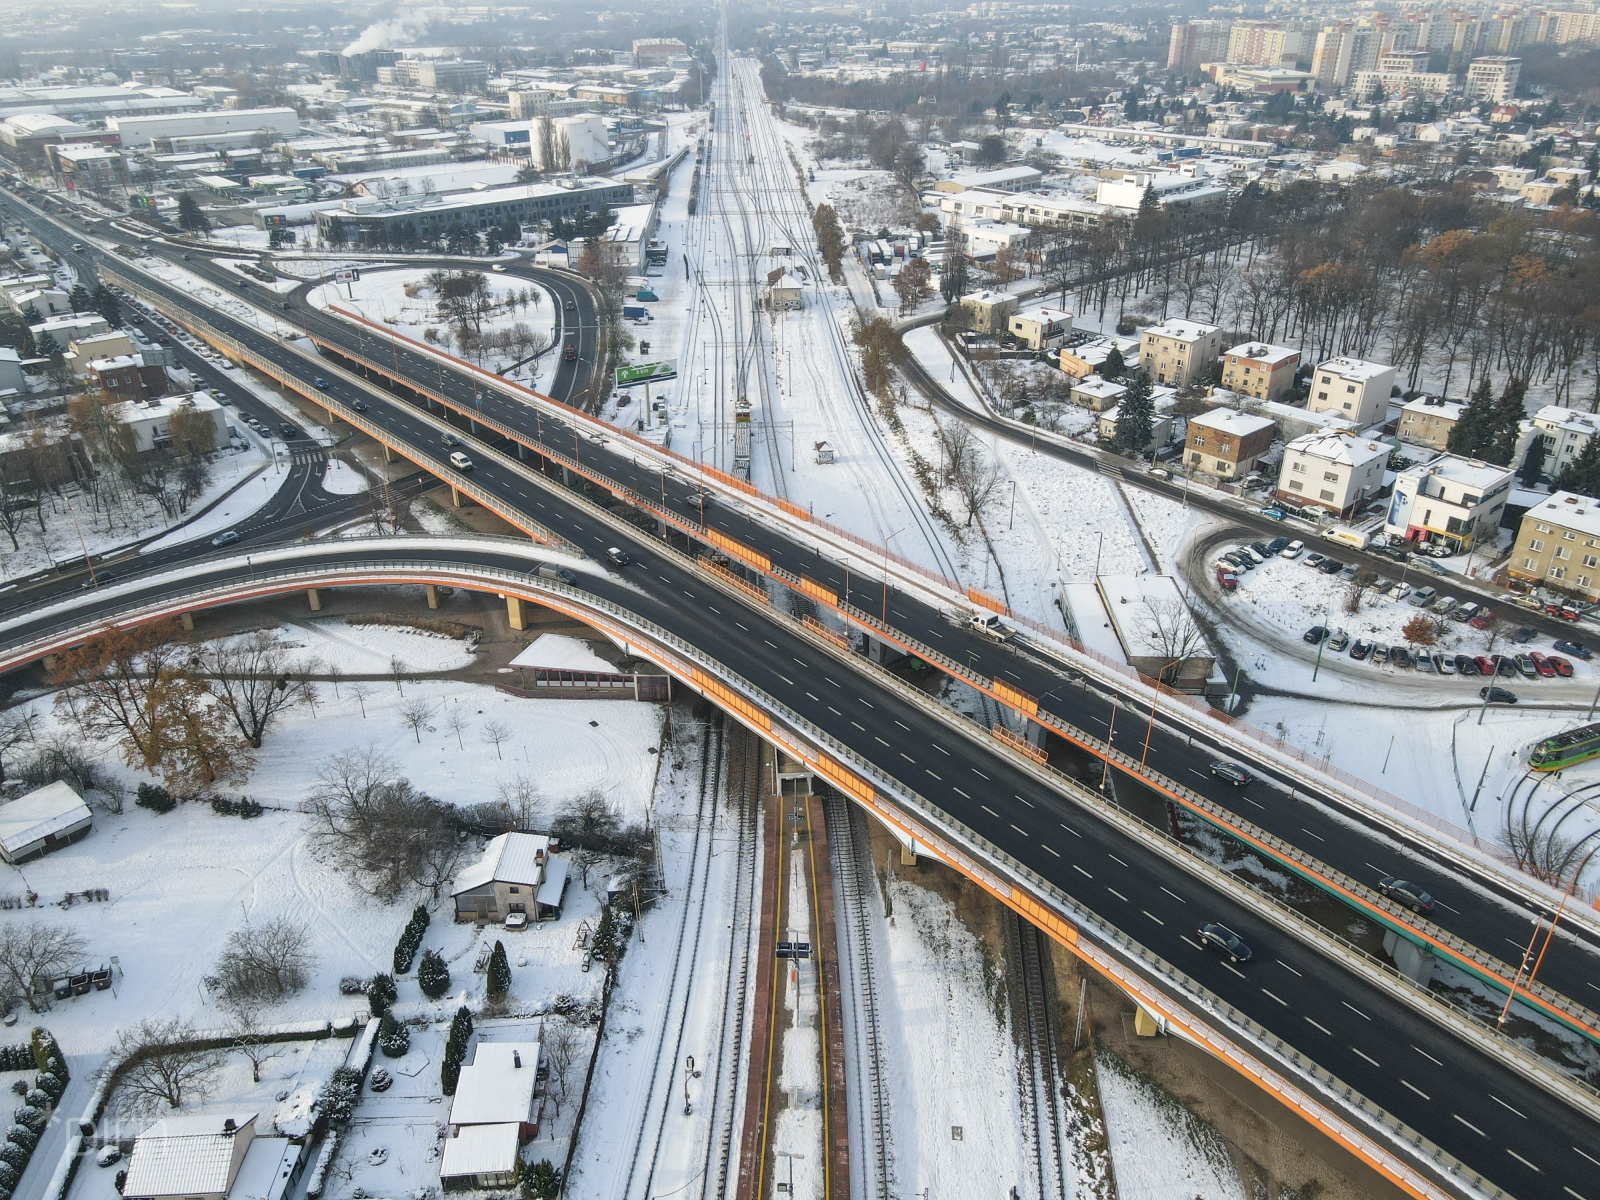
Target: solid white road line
1417,1090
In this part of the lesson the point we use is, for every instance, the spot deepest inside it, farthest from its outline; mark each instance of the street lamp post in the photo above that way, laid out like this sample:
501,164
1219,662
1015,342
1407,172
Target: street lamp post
885,618
1549,934
1150,728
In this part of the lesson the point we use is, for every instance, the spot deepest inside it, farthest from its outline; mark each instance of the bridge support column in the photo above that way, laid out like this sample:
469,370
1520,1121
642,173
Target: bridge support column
1415,962
187,620
433,595
882,653
388,454
1033,733
315,596
455,497
514,613
49,661
1146,1024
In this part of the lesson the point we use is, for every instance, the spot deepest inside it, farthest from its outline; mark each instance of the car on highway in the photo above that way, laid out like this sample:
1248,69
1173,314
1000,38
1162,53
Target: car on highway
287,429
1576,649
571,306
617,557
226,538
1293,550
77,247
1403,891
1226,579
460,461
447,440
1224,941
1229,773
1497,695
498,269
571,352
359,405
320,382
555,571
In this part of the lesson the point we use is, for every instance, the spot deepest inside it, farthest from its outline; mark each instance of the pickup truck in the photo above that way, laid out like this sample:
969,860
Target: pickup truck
990,625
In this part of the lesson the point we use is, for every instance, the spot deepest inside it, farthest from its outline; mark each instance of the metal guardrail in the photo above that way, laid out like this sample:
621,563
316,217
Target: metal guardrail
807,739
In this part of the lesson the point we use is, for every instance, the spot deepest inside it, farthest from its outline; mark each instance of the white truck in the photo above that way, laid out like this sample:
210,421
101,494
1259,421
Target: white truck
990,625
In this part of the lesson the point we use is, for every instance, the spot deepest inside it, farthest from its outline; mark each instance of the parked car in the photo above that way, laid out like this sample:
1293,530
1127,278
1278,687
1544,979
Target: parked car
1483,620
1485,665
1497,695
1229,773
1315,560
1565,611
1293,550
1542,665
1224,941
1317,633
1446,663
1443,605
1504,665
1360,649
1256,556
1400,656
1243,561
1466,665
1423,660
1338,641
1330,566
1276,545
1524,635
1576,649
1562,666
1403,891
1400,591
1380,653
1465,612
1227,579
1525,666
287,429
1273,511
1423,596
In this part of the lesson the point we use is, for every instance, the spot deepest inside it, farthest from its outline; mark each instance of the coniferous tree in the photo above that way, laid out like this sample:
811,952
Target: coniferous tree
1533,462
1475,427
1582,474
460,1034
394,1039
1135,418
433,976
499,981
107,305
190,218
1114,365
1506,424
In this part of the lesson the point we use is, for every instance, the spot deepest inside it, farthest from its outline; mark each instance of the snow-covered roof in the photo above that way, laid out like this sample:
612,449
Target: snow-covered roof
1467,472
1137,605
1581,514
1096,386
54,808
1353,369
266,1170
555,882
555,652
1336,446
1183,331
1262,352
509,858
479,1150
1434,405
788,281
1568,420
185,1155
497,1085
1228,420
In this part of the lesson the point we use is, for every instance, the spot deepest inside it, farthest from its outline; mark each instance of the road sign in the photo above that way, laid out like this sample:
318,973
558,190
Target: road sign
644,373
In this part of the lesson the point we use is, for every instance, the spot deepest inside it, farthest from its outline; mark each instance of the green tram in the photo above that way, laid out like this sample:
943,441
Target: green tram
1564,749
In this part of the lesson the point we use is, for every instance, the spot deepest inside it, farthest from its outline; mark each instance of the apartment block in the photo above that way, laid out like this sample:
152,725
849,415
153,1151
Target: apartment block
1179,352
1428,420
1259,370
1493,79
1452,501
1226,443
1353,388
1335,471
1558,545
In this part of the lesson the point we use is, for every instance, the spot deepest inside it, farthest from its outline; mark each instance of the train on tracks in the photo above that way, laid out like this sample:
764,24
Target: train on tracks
1566,749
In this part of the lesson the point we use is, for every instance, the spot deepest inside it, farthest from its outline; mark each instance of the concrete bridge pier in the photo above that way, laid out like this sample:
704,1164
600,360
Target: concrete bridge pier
455,497
514,616
314,595
1415,962
432,594
883,653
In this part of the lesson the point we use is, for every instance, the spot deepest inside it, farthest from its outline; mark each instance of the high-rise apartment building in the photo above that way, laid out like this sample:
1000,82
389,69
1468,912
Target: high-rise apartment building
1493,79
1343,50
1196,42
1264,44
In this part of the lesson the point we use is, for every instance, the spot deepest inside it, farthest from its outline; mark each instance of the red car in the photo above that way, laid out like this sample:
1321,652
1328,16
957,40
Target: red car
571,352
1485,665
1565,611
1228,580
1542,664
1562,666
1482,620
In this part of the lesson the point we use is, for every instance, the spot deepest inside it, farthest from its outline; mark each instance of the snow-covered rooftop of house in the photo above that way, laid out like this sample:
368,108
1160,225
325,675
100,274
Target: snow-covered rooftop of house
1183,331
1433,404
497,1085
165,406
1089,618
988,298
509,858
480,1150
1581,514
51,809
1567,419
787,281
1467,472
265,1171
555,652
1045,315
1096,386
555,882
1291,415
185,1155
1263,352
1352,368
1337,446
1228,420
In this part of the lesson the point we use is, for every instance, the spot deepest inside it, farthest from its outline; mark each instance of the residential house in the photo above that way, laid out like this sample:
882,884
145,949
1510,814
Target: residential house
209,1156
1097,393
1565,431
43,820
1352,388
128,377
1162,427
1335,471
11,379
496,1107
1451,500
1558,546
517,874
150,421
85,350
1039,328
1428,420
1179,352
988,312
1226,443
1259,370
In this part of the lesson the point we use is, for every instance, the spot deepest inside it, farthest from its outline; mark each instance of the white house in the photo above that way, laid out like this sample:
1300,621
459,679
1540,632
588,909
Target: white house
1451,500
517,874
209,1156
495,1109
1565,431
1335,471
45,819
1179,352
10,370
1352,388
1039,327
150,421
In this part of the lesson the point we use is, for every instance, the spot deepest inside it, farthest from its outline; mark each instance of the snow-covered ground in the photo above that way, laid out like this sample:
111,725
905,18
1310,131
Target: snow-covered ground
75,526
1161,1150
401,299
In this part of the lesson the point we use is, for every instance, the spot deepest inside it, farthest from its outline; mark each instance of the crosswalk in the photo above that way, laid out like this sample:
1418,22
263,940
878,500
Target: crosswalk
309,458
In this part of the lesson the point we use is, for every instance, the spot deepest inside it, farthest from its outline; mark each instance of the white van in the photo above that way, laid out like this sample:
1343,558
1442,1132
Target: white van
460,461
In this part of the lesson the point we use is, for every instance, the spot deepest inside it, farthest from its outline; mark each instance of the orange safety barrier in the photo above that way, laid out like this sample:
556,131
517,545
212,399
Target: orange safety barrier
821,630
1019,744
729,700
985,601
793,509
732,580
1018,700
739,550
817,592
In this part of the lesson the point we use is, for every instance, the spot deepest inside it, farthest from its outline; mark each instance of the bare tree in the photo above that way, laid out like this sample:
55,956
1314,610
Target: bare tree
16,730
496,733
388,834
561,1045
252,679
31,954
264,963
397,671
334,675
166,1069
249,1041
456,723
521,798
1356,590
977,476
361,691
415,715
1173,634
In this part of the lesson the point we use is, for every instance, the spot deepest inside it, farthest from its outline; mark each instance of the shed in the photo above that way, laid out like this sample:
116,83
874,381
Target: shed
480,1156
45,819
784,291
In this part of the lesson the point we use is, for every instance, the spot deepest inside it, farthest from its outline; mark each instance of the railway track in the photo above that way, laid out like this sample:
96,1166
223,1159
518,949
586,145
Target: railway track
866,1087
657,1099
727,1068
1039,1074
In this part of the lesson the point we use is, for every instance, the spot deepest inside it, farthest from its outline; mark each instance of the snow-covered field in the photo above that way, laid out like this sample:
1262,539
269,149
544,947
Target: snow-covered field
1162,1151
